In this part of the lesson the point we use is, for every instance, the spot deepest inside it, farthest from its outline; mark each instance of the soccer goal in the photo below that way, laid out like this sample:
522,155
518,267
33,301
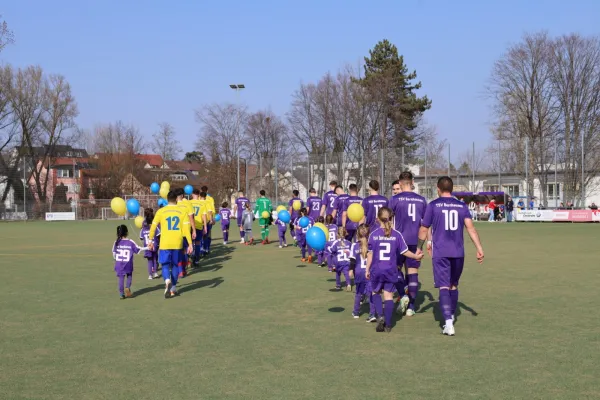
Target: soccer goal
109,214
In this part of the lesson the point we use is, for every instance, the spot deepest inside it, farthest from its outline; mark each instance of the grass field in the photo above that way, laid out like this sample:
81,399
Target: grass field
255,323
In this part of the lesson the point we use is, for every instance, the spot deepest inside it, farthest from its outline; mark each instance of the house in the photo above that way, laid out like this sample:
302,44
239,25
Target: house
183,170
152,161
62,172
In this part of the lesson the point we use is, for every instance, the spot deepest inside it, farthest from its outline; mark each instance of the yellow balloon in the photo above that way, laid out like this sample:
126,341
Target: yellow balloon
139,221
281,208
163,192
166,185
265,214
118,206
356,212
296,205
322,227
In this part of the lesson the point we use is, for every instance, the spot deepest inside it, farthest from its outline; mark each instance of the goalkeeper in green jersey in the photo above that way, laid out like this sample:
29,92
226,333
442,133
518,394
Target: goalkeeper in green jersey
263,209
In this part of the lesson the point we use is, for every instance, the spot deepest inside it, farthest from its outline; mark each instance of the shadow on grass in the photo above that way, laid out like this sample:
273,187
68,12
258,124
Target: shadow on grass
301,266
437,312
337,309
212,283
148,290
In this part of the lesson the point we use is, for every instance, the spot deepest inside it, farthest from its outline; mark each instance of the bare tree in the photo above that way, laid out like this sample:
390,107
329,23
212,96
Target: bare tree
8,131
576,84
524,106
6,35
165,142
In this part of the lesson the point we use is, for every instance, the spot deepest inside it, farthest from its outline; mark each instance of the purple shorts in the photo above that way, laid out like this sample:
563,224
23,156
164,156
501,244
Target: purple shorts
447,271
225,226
409,262
383,280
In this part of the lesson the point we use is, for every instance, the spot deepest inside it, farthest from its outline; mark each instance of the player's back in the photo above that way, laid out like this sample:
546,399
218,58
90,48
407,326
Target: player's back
372,204
333,233
199,209
446,217
314,206
171,219
409,209
263,204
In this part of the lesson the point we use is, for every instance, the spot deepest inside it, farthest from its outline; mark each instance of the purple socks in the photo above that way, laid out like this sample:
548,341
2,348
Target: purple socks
454,299
121,284
376,301
413,287
242,234
446,304
225,236
151,266
388,310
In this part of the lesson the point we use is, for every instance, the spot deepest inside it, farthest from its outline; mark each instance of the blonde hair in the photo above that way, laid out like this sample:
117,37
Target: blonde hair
342,232
385,217
362,236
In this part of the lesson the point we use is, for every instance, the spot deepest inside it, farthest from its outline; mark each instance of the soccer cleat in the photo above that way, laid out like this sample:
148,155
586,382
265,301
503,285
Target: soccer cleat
280,247
122,296
224,242
388,329
338,288
402,305
448,330
127,292
242,241
348,288
371,318
285,245
380,324
355,315
303,260
155,275
167,289
251,242
310,259
150,277
410,312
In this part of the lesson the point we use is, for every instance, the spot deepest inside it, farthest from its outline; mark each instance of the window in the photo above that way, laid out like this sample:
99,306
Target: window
511,190
64,173
550,191
179,177
491,188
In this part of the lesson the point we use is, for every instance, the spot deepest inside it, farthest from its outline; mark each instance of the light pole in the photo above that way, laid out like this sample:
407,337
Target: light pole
237,89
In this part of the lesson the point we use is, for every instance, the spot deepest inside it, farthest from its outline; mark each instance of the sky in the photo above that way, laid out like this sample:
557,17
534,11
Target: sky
144,62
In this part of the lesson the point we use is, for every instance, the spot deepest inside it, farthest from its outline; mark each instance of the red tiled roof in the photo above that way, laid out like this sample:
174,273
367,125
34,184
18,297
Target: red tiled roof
153,160
184,165
68,161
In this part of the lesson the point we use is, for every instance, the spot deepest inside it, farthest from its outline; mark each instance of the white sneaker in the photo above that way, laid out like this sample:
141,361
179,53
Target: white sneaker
403,305
155,275
448,330
150,277
167,288
242,241
280,247
285,245
224,242
410,312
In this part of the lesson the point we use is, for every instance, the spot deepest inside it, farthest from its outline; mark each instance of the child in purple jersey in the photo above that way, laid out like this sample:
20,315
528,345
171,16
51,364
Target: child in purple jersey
329,199
281,230
409,209
225,214
313,205
301,236
372,204
150,255
338,205
340,252
333,236
238,209
358,264
123,251
444,219
321,255
346,222
385,247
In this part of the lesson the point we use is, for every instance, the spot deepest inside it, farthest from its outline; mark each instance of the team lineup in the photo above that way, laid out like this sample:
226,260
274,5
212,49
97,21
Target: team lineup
375,244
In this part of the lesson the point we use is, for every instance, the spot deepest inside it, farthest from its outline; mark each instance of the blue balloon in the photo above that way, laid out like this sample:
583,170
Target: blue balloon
188,189
162,202
133,206
284,216
217,217
315,237
304,221
155,187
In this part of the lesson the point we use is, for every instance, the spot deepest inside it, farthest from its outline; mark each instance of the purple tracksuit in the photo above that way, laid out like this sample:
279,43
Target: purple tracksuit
363,286
340,251
150,255
281,229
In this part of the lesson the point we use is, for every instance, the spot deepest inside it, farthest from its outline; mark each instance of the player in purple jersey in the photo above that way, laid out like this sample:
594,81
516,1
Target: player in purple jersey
313,204
150,255
372,204
238,210
281,229
396,187
225,214
346,222
340,252
338,205
328,200
321,254
301,236
385,246
123,251
446,217
358,264
333,236
295,213
409,209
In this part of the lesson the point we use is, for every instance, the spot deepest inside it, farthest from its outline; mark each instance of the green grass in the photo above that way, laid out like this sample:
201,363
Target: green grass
257,324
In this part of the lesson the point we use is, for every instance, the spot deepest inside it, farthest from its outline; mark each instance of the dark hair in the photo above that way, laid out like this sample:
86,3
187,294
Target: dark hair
396,182
321,219
149,215
196,192
313,190
445,184
179,192
406,176
353,187
295,192
172,196
338,187
241,191
329,219
333,183
121,232
262,192
303,212
374,185
203,195
385,216
224,205
204,188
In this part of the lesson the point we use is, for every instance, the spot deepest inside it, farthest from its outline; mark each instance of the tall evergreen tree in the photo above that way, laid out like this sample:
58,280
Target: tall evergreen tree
390,84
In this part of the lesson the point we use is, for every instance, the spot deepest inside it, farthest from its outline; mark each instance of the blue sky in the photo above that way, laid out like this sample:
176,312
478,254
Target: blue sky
144,62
